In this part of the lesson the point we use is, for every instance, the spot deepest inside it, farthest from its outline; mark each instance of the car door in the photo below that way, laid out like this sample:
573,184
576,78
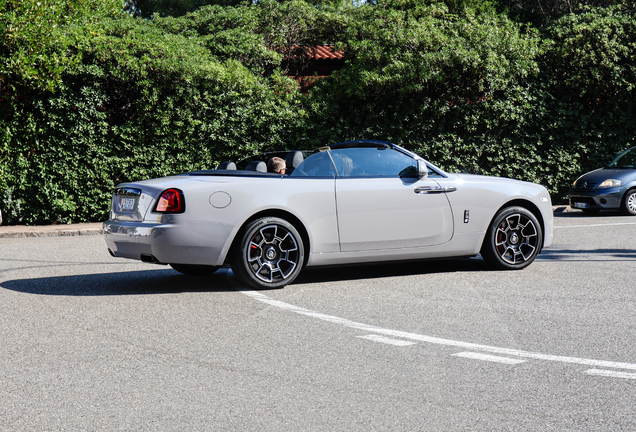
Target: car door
378,209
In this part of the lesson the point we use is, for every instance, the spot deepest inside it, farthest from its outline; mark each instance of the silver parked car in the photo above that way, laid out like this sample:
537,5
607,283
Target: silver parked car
352,202
609,188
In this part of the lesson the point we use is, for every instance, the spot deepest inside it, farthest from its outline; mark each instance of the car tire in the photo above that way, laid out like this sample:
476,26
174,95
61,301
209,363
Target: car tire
194,270
629,203
513,240
270,253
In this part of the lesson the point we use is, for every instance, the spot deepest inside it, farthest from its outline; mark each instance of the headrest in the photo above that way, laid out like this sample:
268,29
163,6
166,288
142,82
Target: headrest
226,166
292,160
259,166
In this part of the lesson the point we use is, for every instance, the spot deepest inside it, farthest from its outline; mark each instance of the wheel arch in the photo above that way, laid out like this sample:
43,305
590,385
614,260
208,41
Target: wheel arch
283,214
623,206
630,188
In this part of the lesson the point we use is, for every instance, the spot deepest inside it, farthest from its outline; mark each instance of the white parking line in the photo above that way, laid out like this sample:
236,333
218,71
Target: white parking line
386,340
435,340
595,225
488,357
611,374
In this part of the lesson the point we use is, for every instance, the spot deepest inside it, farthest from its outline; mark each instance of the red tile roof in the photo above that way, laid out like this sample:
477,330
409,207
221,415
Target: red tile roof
315,62
321,52
327,53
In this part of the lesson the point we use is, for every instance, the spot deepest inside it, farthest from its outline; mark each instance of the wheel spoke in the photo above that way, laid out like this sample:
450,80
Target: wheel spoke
508,254
526,251
268,233
500,237
529,230
513,221
265,272
288,243
287,267
255,252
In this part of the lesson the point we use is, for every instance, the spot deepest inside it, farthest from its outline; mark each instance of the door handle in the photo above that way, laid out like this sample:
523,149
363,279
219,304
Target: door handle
433,190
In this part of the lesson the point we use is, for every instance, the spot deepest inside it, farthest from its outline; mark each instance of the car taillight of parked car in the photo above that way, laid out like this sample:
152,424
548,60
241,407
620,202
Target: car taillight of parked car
170,201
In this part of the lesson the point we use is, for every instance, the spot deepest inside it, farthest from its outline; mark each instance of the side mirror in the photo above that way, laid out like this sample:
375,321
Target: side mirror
422,169
419,172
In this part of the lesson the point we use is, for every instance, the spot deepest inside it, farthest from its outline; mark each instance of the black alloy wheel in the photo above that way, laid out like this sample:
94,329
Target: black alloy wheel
270,254
513,239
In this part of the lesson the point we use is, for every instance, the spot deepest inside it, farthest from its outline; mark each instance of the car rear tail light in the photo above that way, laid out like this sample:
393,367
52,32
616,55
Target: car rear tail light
170,201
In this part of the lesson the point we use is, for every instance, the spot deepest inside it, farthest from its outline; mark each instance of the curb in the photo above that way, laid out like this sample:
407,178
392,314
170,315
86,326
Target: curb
21,231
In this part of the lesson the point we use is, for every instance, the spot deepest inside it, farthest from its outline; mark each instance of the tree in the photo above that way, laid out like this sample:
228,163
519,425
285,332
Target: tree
137,102
29,33
173,8
542,11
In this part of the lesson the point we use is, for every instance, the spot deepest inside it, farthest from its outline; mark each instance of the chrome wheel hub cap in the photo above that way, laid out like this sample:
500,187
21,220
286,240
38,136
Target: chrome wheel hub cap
270,254
514,238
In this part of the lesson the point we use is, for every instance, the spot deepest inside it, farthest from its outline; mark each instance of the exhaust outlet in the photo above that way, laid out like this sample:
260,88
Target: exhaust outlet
150,259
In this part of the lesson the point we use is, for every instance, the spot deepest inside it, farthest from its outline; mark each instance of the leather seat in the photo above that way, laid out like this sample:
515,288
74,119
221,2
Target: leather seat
292,160
226,166
259,166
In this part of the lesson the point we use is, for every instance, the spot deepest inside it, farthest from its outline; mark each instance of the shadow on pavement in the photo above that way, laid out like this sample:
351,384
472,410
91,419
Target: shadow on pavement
164,281
382,270
167,281
590,255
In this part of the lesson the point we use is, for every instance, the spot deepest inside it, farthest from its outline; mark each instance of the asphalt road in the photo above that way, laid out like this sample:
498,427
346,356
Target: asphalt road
90,342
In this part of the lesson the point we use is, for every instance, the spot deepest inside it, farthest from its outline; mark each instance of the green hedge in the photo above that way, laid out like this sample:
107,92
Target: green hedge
479,93
139,103
485,95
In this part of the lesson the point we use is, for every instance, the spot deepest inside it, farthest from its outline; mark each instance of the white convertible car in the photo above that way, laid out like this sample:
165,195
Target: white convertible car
352,202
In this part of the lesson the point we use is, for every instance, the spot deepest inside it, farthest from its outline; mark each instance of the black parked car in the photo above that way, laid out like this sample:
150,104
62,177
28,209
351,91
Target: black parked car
610,187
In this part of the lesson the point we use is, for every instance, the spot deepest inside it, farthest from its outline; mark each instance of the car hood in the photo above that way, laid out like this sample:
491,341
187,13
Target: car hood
601,174
484,178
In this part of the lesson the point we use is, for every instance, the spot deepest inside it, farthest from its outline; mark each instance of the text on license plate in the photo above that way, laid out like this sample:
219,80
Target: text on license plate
127,203
580,205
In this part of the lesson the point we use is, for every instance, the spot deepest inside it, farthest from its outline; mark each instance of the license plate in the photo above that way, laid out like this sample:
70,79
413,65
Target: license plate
581,205
127,204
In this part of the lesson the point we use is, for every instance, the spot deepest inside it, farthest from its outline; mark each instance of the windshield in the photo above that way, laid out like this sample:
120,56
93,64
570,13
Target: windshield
627,159
357,162
360,162
317,165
